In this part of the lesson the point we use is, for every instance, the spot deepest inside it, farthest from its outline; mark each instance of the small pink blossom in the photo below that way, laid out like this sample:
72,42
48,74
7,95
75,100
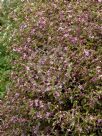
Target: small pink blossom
98,70
100,77
42,22
27,68
36,102
17,95
86,52
31,104
80,87
56,94
48,114
39,115
74,40
99,0
41,104
33,31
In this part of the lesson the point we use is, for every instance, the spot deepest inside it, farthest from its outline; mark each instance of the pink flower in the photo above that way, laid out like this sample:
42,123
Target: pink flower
31,104
99,0
42,22
98,70
17,95
80,87
39,115
100,77
48,114
36,102
57,94
27,68
41,104
32,31
86,52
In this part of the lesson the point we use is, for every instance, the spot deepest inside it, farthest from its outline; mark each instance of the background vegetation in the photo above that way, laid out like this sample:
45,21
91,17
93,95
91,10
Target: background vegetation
53,52
5,58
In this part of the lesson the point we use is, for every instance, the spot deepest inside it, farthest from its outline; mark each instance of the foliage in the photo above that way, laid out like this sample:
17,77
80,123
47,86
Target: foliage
57,72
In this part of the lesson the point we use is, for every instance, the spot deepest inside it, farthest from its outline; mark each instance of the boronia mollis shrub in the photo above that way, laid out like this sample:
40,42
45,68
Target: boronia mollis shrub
56,85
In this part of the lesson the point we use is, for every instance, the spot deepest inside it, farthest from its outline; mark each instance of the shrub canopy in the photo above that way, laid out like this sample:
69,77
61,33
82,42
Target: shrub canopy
57,72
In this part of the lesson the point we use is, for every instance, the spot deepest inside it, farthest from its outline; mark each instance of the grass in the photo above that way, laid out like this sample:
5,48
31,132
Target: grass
4,57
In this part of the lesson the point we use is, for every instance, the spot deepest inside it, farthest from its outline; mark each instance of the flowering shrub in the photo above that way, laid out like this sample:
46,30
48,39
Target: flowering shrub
57,79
